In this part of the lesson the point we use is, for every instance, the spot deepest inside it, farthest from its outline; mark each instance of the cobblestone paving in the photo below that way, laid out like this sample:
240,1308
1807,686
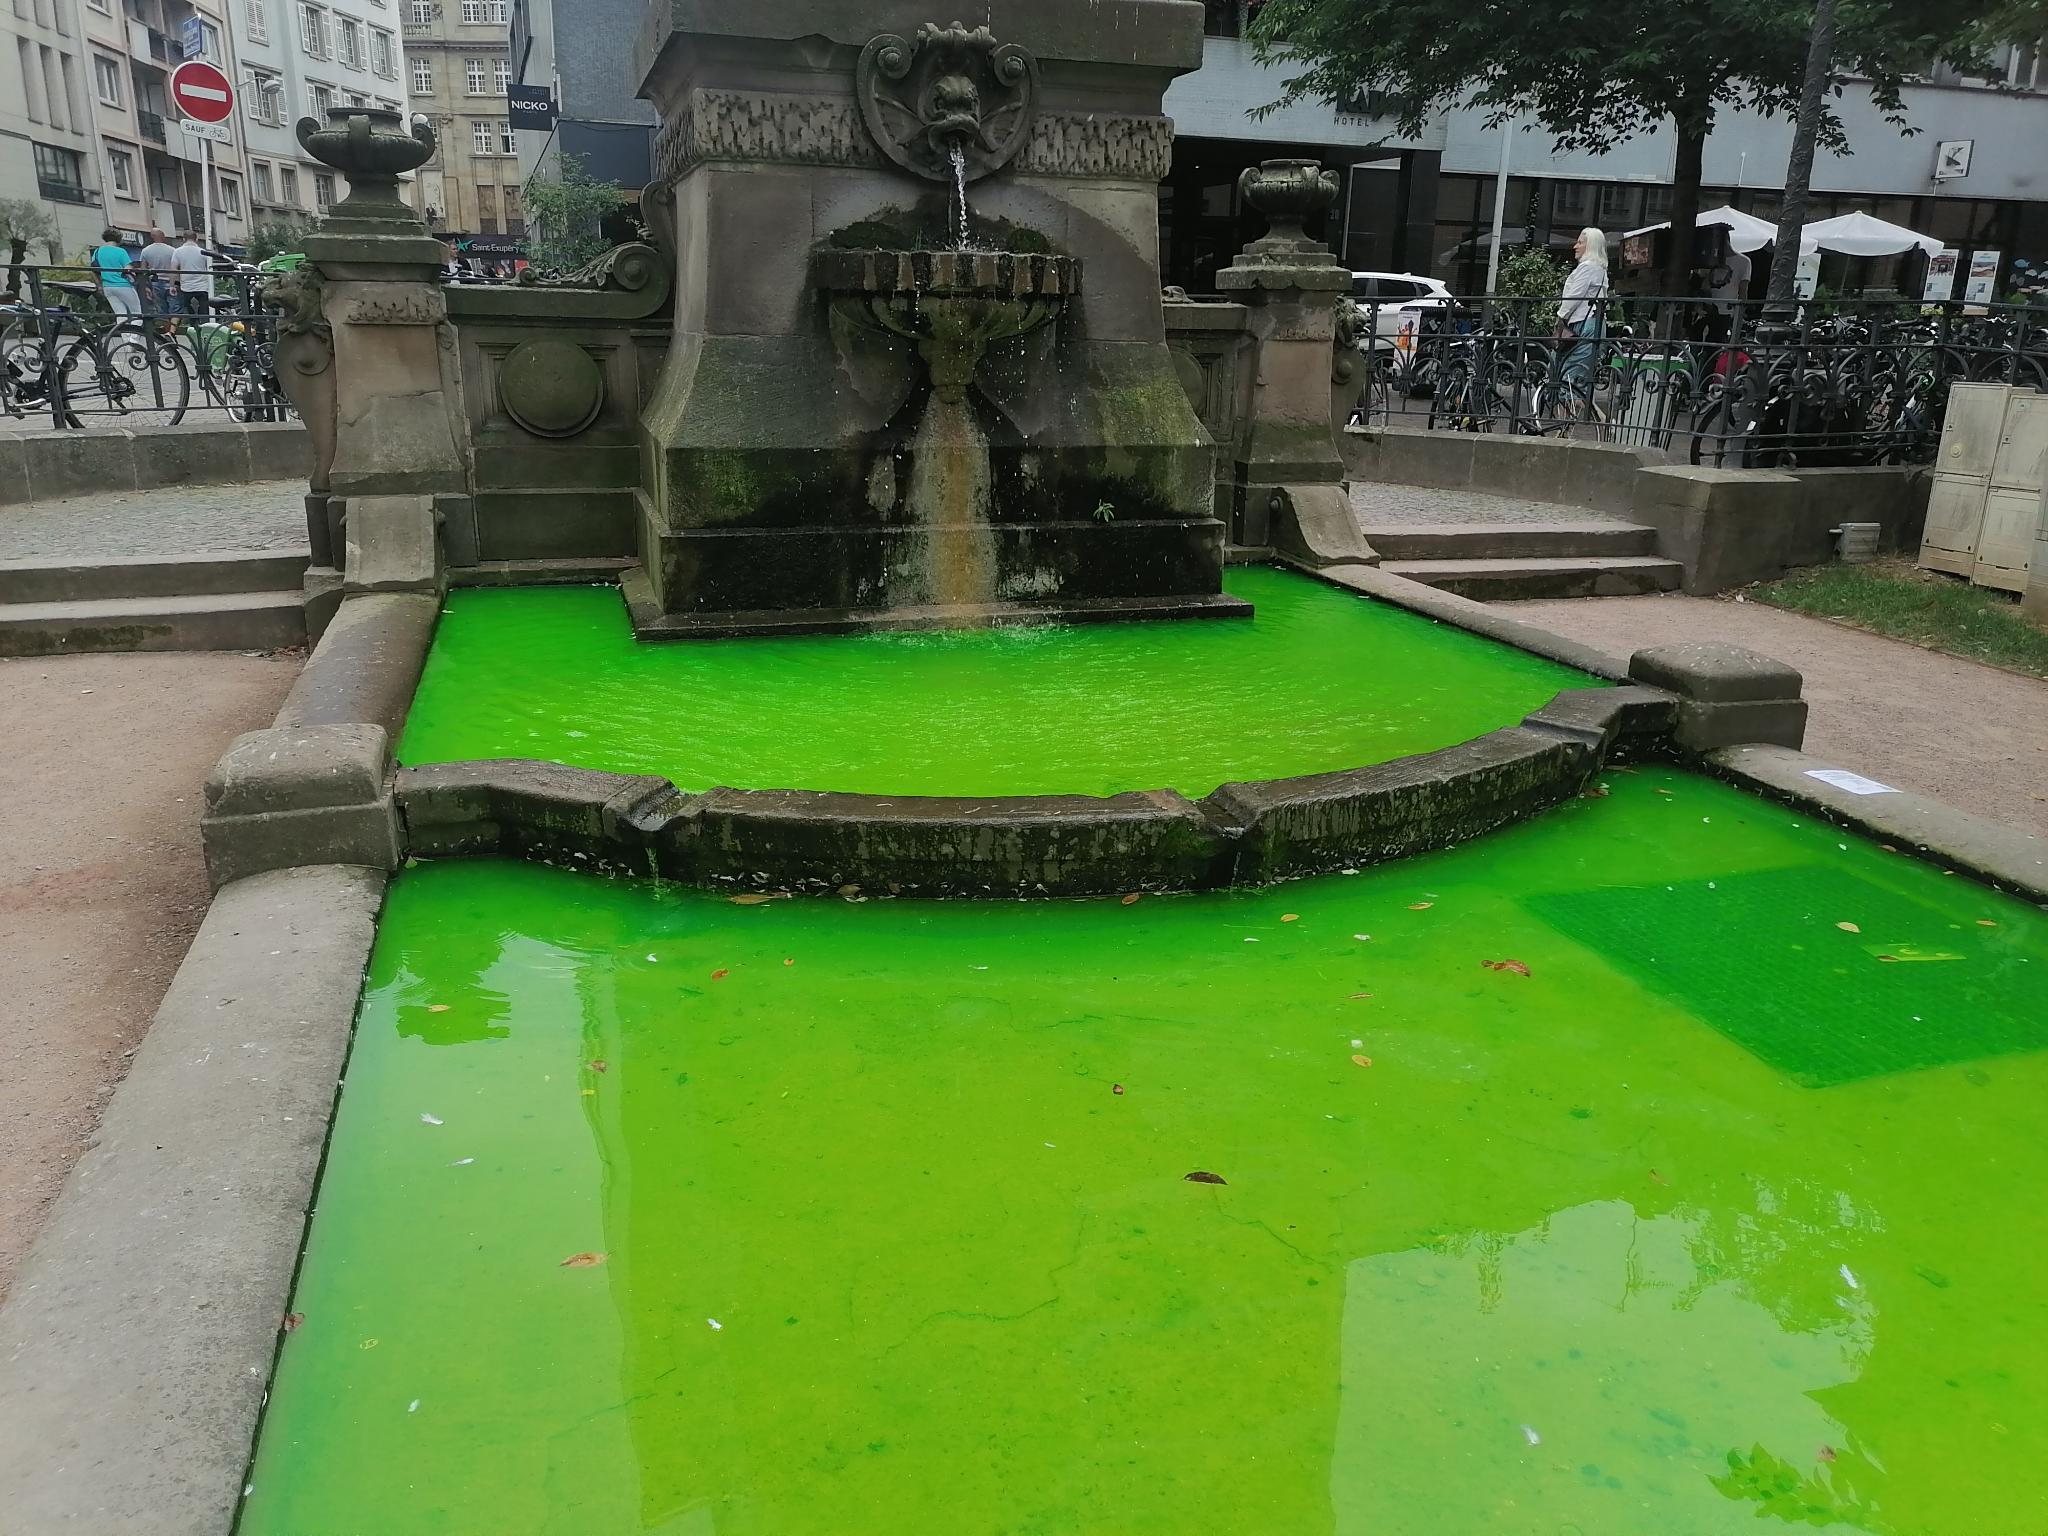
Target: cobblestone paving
176,520
1380,505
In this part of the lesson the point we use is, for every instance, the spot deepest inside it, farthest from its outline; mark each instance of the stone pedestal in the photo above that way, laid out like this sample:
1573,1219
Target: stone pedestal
1289,474
853,426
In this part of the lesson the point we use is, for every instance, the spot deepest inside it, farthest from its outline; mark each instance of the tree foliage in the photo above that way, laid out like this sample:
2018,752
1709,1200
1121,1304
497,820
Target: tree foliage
1531,274
21,219
273,237
1596,74
565,214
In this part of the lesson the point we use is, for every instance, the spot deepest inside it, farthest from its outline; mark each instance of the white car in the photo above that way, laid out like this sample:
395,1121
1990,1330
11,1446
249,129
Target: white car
1388,298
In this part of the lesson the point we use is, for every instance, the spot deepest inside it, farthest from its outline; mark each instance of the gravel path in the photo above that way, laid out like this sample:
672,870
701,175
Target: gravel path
1382,505
177,520
1965,733
101,882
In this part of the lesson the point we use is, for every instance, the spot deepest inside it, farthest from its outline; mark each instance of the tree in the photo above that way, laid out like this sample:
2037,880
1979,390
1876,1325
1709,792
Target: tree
565,213
23,220
273,237
1593,73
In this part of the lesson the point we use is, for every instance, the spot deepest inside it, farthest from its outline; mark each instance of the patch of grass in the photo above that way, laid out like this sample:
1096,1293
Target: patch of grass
1897,598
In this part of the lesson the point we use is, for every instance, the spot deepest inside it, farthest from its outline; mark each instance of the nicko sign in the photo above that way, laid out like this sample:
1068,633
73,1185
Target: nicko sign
530,106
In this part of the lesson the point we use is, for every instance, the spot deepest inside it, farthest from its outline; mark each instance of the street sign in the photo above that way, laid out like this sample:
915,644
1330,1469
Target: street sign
192,37
530,106
220,133
202,93
1952,159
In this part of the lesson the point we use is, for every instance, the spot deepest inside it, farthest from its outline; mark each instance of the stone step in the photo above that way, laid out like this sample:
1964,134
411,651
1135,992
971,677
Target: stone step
1581,576
1510,541
75,581
540,573
233,621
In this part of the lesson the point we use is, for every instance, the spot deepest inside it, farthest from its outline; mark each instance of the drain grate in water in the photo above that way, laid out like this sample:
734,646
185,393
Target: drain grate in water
1763,958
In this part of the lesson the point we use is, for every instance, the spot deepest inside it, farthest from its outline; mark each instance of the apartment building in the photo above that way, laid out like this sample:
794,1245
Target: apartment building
458,65
49,153
300,58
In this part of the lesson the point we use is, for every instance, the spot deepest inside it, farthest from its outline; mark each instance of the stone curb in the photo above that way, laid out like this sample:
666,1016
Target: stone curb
138,1341
1998,855
47,465
1030,845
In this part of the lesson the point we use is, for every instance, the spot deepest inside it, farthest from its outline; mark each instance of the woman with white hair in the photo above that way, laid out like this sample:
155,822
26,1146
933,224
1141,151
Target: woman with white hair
1582,316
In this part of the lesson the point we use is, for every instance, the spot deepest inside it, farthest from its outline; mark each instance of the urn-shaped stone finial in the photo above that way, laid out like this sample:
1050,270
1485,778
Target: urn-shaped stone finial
1289,193
372,148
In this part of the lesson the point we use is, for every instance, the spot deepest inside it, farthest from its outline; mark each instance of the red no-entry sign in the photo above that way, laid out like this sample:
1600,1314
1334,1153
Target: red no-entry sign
201,92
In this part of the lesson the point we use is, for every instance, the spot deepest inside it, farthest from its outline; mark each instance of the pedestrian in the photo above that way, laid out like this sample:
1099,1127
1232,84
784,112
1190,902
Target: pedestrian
110,264
159,261
195,277
1582,317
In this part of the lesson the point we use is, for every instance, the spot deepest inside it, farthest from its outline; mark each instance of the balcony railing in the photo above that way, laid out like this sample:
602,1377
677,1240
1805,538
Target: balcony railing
152,125
65,192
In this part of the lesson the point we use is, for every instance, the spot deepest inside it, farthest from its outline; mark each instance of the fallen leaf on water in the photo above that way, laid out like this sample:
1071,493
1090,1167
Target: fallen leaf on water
367,1344
1985,922
1848,927
756,899
430,1119
294,1321
1598,792
1659,1178
1826,1453
1290,917
1203,1176
1420,906
600,1066
1363,1061
1663,791
720,975
1515,966
437,1007
1358,996
1116,1087
1133,898
791,961
583,1261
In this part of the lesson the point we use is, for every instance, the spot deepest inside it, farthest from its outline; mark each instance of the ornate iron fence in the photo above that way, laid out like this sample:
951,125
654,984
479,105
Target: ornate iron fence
1718,385
68,359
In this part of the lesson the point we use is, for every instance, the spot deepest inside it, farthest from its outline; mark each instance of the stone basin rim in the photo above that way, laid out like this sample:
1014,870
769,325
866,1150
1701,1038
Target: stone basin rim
938,273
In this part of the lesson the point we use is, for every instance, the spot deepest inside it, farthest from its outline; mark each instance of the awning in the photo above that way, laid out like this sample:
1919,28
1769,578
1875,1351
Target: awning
1746,232
1858,234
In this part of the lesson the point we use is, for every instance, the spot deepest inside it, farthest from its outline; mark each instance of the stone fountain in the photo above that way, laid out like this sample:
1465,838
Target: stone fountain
919,371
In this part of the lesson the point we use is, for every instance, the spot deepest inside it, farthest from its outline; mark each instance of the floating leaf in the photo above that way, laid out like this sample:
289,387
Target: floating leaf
1290,917
1420,906
1358,997
600,1066
437,1007
1514,966
1848,927
294,1321
790,961
758,898
583,1261
1598,792
1826,1453
1116,1088
720,975
430,1119
1133,898
1363,1061
1985,922
1659,1178
1203,1176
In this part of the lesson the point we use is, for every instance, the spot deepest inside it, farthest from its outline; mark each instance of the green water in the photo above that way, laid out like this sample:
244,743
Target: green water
1721,1211
1319,680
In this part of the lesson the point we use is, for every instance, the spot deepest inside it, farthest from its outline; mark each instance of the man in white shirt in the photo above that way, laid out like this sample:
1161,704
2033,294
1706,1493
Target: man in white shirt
195,278
159,260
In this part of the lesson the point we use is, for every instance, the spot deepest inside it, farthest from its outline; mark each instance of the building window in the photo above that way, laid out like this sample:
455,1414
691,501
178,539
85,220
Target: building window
106,79
356,98
505,144
349,41
323,99
231,197
480,135
288,185
101,6
515,212
323,191
487,210
474,69
209,43
498,12
422,77
473,12
313,31
501,75
121,166
256,16
60,174
260,189
264,101
382,55
421,13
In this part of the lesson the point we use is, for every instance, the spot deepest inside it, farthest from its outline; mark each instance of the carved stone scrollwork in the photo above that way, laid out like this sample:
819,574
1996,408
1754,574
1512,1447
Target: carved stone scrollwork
950,92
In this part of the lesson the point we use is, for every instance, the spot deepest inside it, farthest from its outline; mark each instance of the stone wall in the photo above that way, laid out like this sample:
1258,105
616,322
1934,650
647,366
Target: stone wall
43,465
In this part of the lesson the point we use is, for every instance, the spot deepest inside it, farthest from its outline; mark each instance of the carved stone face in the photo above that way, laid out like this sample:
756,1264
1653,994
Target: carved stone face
949,90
